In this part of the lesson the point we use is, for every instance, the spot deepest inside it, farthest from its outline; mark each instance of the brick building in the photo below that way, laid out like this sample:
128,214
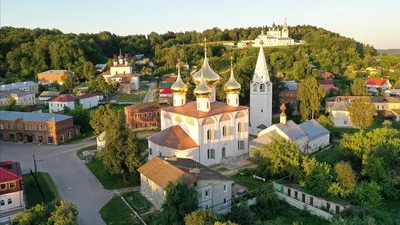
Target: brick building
53,75
289,95
143,115
47,128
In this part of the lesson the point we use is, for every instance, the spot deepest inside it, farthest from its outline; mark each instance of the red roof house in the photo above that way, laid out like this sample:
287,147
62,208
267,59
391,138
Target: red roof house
382,83
328,84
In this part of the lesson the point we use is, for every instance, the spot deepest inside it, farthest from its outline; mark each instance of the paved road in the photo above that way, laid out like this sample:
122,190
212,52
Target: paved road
74,181
149,95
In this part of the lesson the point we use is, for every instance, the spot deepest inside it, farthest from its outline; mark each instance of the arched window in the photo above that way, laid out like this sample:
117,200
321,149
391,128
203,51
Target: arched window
223,152
262,88
254,87
208,134
224,131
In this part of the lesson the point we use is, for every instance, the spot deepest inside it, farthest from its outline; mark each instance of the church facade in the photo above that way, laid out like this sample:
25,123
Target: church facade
204,130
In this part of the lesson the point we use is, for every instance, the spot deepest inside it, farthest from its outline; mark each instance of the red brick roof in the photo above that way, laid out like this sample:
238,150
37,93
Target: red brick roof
173,137
375,81
10,171
71,98
165,90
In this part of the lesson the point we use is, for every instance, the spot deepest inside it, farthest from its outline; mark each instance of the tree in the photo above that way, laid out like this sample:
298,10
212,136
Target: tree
68,82
80,115
201,217
310,95
326,122
320,179
375,168
346,180
88,70
225,223
301,69
358,87
180,201
241,213
363,143
271,159
11,104
361,112
103,118
24,107
54,213
267,201
368,194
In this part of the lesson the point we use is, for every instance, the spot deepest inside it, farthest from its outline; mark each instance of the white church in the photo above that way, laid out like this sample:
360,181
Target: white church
204,130
273,37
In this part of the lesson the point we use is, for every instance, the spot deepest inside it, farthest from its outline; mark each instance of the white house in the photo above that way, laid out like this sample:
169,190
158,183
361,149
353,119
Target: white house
204,130
374,83
23,86
86,100
21,97
310,136
214,189
11,188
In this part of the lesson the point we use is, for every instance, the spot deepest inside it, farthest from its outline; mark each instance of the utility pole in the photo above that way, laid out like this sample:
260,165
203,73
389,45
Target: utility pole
35,161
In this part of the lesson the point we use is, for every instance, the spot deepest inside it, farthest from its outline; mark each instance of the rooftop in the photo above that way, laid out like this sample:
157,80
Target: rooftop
55,72
291,129
19,93
291,85
18,85
49,94
33,116
313,129
163,171
143,106
173,137
71,98
375,81
10,171
190,109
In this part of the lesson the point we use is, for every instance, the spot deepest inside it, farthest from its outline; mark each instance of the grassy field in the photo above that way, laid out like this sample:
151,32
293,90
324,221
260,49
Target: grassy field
32,192
130,98
247,181
109,181
116,212
139,203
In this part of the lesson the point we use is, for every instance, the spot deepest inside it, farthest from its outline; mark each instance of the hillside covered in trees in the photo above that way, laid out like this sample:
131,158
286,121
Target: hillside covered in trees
25,52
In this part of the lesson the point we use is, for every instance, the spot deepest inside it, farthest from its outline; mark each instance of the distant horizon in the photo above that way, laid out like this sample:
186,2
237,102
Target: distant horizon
370,23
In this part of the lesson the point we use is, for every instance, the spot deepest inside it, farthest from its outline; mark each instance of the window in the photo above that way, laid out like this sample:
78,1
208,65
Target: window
150,151
262,88
311,201
211,154
36,127
223,152
225,201
2,126
289,192
225,188
200,195
61,138
12,184
206,206
206,194
208,134
303,198
262,110
3,186
328,206
41,127
224,131
2,203
295,194
9,201
337,209
241,145
345,122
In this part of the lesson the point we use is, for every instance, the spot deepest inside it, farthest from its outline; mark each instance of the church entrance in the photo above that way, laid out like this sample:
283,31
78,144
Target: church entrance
223,152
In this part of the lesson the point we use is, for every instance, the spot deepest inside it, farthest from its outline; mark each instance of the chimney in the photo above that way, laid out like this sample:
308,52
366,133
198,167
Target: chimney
283,114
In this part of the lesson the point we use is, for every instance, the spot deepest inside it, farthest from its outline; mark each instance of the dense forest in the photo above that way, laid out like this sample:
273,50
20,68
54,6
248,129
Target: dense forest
25,52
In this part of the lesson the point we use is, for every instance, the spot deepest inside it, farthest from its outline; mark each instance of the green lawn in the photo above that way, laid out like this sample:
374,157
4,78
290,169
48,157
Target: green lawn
137,202
32,192
116,212
109,181
130,98
247,181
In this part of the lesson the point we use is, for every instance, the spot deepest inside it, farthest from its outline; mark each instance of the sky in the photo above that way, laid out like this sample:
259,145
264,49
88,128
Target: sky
369,21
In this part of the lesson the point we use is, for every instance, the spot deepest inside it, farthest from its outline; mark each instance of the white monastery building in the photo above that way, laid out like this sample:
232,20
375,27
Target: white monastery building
274,37
310,136
204,130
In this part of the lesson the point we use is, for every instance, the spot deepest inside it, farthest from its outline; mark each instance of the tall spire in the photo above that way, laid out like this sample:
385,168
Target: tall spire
179,87
285,24
261,74
232,86
205,49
